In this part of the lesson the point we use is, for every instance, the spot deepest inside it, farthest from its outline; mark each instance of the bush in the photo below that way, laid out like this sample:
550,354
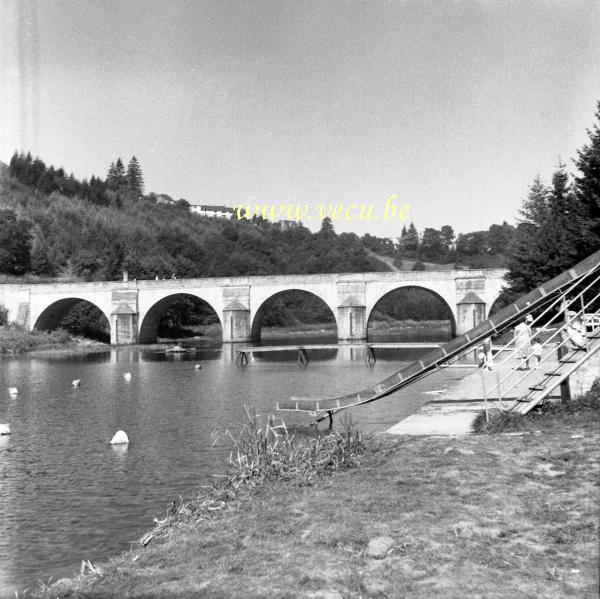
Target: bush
271,452
3,315
500,421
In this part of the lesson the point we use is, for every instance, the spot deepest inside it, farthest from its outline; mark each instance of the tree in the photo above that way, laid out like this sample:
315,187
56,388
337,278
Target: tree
15,241
433,247
552,234
500,238
116,176
587,184
448,234
327,230
135,180
410,241
40,263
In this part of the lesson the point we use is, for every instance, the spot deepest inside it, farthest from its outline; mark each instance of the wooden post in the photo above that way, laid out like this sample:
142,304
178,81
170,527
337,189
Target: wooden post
485,402
562,351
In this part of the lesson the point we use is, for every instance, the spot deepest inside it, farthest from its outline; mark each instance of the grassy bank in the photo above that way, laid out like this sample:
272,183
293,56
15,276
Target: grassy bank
505,515
17,340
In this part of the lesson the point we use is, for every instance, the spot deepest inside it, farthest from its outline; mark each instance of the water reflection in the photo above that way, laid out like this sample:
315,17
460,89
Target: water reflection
66,495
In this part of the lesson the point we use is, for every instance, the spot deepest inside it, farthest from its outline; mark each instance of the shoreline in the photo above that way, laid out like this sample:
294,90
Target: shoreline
421,517
81,345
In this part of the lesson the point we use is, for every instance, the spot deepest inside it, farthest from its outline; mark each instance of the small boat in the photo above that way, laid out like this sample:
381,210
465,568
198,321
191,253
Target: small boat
176,349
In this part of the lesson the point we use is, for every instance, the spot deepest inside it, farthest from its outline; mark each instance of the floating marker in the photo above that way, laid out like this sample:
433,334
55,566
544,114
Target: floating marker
5,429
127,376
75,383
198,367
120,438
13,391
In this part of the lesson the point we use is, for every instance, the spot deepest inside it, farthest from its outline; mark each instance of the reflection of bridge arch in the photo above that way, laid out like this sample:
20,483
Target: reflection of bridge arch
51,316
259,312
399,288
151,318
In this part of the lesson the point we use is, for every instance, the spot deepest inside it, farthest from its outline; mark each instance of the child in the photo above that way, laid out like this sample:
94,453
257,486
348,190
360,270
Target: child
536,352
485,355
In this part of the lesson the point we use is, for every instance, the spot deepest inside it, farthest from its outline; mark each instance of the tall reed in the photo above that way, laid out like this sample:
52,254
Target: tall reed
269,451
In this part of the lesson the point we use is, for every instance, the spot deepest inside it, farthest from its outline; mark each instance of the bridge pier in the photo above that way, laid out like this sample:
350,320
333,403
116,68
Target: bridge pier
470,311
236,323
124,317
352,323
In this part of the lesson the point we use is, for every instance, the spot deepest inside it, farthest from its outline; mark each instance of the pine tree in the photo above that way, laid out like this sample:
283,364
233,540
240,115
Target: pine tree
410,242
526,254
135,180
587,185
552,234
116,176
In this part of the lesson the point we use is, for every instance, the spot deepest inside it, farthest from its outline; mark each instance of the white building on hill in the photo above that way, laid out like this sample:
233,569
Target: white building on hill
212,211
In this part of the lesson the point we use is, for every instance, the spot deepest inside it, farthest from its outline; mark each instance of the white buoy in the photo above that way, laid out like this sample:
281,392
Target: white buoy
75,383
127,376
120,438
13,391
5,429
198,367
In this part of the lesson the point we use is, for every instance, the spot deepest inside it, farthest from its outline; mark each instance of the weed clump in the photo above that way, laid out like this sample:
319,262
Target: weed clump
271,452
500,421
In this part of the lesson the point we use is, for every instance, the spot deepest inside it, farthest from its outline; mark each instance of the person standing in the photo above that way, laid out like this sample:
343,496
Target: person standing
523,341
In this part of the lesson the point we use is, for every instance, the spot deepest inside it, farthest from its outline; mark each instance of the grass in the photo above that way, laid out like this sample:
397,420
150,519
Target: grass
17,340
479,516
500,421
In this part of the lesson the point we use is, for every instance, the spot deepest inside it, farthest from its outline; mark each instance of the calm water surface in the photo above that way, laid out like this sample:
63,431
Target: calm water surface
67,496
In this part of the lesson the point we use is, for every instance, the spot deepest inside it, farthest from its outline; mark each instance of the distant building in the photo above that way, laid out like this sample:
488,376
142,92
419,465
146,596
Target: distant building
163,198
212,211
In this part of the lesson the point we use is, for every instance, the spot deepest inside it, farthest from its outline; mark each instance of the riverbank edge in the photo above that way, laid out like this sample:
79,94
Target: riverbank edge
447,527
16,341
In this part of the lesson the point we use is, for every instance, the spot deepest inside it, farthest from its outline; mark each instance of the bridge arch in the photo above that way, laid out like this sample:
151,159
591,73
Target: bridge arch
443,302
499,301
51,316
151,319
255,329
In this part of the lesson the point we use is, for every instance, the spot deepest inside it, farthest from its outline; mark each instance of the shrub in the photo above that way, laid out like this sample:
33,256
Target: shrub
262,453
3,315
500,421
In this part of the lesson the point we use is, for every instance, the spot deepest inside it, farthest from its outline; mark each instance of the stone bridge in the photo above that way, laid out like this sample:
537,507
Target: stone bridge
134,308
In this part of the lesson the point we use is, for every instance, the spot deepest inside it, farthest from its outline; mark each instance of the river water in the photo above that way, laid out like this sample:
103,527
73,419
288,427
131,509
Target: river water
67,496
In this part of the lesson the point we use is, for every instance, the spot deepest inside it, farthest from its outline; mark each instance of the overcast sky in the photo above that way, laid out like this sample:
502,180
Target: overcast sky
454,106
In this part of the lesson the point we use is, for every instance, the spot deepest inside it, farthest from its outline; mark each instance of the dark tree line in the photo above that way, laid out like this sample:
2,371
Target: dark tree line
119,183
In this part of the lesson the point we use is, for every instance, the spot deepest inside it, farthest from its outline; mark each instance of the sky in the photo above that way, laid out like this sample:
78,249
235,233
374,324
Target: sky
452,106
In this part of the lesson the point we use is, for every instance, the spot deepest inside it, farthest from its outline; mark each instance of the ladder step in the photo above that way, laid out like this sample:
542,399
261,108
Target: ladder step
551,373
537,388
567,361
